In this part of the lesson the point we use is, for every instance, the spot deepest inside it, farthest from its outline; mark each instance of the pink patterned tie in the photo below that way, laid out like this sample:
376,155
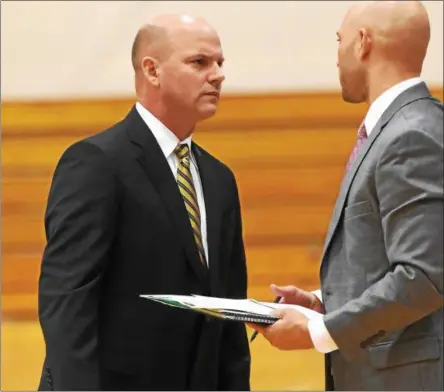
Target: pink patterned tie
362,137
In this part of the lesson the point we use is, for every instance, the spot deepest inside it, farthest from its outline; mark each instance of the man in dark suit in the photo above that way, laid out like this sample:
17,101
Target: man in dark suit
141,209
382,267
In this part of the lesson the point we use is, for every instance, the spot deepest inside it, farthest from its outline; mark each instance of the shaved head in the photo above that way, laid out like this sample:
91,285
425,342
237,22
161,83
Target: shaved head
399,29
150,40
157,38
384,35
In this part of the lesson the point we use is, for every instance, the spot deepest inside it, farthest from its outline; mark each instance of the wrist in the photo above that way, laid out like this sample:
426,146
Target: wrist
316,304
313,301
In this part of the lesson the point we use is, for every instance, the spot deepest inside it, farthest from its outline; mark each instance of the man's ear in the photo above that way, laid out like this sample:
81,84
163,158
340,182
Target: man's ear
364,44
151,70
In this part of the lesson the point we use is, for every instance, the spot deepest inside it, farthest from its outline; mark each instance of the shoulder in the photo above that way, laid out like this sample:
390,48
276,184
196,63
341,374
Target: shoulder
109,139
413,138
425,116
420,121
103,145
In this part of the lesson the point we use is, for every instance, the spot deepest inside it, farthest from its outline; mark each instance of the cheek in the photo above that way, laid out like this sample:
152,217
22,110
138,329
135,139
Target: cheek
340,56
177,86
190,83
345,61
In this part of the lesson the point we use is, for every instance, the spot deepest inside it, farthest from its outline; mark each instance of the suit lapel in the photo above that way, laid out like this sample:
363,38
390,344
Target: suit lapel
213,211
157,169
346,183
414,93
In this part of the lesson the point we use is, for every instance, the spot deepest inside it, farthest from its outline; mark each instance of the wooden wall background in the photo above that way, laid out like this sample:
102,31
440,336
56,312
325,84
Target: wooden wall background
288,153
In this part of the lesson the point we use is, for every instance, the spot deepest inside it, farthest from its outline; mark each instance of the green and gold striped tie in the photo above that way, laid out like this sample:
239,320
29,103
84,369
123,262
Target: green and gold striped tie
186,187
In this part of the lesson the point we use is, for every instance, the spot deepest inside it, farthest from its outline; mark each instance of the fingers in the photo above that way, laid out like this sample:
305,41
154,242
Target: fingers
283,290
292,295
288,294
277,292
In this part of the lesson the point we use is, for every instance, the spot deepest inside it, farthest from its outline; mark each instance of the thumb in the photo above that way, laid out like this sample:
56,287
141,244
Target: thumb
278,313
283,291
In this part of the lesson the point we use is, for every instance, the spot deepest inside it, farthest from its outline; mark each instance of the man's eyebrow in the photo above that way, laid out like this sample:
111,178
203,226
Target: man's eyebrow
220,58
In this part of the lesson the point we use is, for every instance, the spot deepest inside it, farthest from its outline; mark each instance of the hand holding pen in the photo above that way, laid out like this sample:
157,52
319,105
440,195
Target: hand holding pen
296,296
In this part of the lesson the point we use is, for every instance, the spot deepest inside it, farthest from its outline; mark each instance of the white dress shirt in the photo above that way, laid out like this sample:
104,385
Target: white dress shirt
322,341
168,141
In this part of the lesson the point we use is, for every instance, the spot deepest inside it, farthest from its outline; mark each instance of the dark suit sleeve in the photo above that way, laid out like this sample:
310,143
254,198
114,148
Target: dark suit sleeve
79,228
235,351
409,185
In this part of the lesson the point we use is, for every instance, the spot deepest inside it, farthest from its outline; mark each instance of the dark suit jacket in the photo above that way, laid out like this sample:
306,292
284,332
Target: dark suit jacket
117,227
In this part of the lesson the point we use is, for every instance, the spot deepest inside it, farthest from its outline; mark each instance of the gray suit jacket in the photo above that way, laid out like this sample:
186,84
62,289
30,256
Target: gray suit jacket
382,267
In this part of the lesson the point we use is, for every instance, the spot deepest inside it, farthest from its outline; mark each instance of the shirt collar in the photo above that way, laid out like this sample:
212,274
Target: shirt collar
166,139
380,105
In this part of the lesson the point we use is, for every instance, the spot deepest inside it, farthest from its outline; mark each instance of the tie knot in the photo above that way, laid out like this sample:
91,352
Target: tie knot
182,151
362,132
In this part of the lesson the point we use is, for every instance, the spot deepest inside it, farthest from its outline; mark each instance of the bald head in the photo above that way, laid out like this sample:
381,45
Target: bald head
151,40
399,30
157,38
175,22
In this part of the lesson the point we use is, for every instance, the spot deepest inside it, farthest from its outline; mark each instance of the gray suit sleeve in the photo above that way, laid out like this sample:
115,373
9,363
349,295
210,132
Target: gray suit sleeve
409,186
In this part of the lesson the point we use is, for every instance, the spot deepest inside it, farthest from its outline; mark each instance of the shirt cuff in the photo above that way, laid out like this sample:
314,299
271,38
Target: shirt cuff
320,337
318,294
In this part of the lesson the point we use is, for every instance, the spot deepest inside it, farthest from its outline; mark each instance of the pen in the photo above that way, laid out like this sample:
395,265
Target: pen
276,300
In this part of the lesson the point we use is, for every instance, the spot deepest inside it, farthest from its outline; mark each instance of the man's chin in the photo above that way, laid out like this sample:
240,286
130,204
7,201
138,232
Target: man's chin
207,111
350,98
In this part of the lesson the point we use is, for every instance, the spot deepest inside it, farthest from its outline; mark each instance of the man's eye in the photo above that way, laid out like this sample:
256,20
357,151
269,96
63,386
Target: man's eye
199,61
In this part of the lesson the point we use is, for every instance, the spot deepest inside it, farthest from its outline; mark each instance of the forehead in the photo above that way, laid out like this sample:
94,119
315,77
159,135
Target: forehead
203,41
345,25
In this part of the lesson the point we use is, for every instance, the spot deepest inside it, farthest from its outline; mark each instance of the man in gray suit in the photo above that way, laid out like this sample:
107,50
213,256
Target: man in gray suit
382,266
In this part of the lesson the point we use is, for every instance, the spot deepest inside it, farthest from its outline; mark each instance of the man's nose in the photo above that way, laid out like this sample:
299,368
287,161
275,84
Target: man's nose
218,75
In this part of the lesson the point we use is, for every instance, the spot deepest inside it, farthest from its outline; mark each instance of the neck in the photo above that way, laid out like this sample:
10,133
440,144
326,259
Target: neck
383,77
172,119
